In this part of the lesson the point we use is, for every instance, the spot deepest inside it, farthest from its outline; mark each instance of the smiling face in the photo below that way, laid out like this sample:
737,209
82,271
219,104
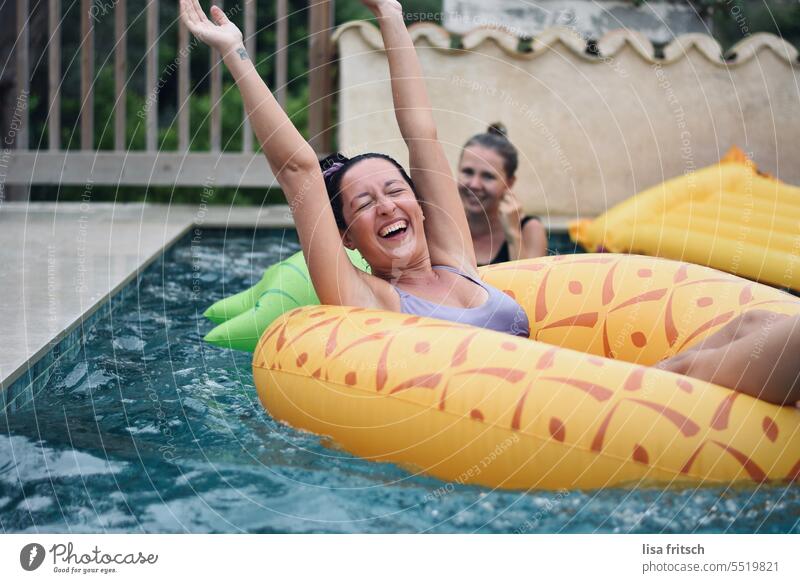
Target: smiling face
482,180
383,216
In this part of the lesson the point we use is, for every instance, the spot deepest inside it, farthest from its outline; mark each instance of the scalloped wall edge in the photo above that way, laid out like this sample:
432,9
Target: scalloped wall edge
608,46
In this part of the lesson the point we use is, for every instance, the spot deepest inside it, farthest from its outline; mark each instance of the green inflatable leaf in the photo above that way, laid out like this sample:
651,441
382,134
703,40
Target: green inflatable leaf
243,317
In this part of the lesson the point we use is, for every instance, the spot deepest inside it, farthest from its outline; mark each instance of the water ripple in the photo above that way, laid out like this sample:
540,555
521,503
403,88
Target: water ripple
150,430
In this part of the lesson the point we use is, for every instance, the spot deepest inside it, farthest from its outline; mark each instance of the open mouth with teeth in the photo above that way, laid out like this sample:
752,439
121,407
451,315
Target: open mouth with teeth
396,230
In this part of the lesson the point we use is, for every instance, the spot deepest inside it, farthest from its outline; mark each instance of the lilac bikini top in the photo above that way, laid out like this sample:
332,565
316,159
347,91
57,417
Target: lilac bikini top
499,312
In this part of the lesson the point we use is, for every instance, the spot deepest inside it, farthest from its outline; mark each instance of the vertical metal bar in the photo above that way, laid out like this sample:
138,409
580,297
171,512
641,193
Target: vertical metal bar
282,52
151,119
250,47
120,73
216,95
54,75
87,74
183,87
320,83
23,74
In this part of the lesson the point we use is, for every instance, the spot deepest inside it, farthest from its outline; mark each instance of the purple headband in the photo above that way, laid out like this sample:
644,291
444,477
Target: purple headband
332,169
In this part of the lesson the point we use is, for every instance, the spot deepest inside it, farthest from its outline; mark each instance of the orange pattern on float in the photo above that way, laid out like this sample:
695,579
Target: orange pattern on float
580,405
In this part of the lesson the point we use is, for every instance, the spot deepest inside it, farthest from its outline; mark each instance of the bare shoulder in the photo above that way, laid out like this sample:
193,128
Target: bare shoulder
533,225
377,294
534,239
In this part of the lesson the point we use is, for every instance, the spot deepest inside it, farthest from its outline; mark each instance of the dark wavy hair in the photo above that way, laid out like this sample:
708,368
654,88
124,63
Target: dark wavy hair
333,178
496,138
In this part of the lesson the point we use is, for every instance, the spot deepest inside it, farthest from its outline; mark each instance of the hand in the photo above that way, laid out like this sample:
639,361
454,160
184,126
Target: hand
510,212
223,36
376,5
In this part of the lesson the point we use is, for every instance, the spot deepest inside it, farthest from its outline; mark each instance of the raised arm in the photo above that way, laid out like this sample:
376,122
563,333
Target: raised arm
446,227
292,160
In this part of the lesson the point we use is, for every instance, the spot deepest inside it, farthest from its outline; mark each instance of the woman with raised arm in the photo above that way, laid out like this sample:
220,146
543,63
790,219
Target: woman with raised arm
371,204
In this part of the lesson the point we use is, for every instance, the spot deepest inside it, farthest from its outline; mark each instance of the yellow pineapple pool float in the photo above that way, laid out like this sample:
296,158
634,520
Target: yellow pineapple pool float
575,406
728,216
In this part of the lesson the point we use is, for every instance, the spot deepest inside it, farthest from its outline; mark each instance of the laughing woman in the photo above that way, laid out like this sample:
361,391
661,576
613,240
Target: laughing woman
371,204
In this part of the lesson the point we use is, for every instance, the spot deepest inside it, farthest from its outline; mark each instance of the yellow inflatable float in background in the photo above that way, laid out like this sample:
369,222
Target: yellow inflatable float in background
573,407
728,216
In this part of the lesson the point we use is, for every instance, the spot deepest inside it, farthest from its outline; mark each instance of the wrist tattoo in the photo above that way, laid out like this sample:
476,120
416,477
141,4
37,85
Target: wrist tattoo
242,53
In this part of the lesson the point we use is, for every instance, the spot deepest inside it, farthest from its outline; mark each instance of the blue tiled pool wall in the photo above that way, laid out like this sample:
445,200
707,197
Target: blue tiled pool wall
24,389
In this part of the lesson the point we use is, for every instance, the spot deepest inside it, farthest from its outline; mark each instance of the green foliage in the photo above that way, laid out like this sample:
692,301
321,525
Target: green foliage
733,20
737,19
137,100
167,73
703,7
414,10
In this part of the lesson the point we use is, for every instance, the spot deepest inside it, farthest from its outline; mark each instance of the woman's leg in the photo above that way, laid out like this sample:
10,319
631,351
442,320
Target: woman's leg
764,363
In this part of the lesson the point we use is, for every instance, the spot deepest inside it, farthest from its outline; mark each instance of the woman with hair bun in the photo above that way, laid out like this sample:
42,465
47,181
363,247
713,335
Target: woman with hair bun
486,174
369,202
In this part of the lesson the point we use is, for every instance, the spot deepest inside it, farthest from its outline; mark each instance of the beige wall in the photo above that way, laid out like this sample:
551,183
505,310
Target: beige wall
591,131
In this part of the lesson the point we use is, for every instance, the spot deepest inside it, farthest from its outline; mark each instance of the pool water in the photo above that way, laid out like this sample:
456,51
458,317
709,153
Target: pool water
151,430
